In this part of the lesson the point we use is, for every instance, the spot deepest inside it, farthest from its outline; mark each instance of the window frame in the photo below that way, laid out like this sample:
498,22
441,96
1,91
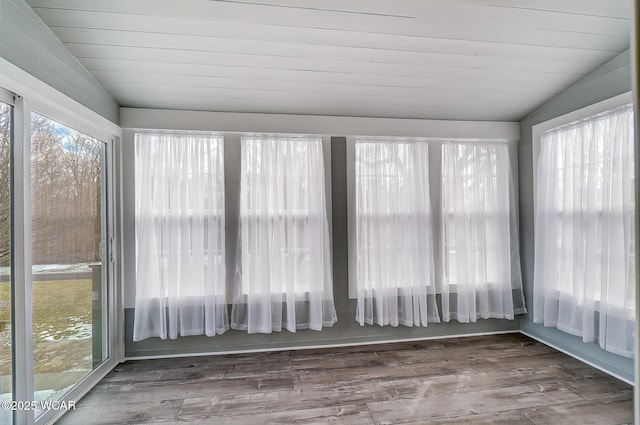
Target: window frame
496,215
233,228
8,99
351,142
435,190
220,213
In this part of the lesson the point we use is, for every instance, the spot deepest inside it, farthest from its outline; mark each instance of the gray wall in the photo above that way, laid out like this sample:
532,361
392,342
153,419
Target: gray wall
346,331
609,80
28,43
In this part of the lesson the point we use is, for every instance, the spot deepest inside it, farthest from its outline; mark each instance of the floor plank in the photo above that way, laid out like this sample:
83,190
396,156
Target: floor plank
426,406
616,411
498,379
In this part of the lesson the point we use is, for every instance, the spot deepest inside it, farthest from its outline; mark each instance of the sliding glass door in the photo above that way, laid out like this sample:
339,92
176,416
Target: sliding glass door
56,300
69,264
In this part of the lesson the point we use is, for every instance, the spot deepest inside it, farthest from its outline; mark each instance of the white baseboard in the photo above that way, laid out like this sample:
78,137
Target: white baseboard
317,346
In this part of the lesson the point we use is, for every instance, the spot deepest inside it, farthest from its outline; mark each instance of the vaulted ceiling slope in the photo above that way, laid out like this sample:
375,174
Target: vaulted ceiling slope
437,59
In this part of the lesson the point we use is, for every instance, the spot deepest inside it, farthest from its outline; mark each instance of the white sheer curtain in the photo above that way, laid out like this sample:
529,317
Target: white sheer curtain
179,217
584,275
480,255
394,247
283,276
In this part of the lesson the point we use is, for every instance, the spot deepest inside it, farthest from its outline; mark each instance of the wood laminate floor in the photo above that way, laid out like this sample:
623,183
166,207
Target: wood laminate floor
499,379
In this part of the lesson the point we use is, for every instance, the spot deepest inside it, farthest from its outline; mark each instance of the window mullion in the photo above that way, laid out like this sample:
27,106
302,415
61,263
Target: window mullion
22,292
435,190
351,217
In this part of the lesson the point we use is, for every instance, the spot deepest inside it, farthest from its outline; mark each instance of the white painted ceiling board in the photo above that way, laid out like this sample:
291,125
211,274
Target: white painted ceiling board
157,57
440,30
257,100
344,64
409,8
398,52
434,10
441,59
619,9
416,94
430,76
491,57
352,108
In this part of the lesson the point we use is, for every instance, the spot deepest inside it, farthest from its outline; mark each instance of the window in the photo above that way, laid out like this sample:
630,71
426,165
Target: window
584,276
284,270
480,261
434,216
395,268
180,235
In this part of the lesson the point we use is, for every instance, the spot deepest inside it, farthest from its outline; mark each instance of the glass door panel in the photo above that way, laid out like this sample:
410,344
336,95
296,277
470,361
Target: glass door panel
6,359
69,228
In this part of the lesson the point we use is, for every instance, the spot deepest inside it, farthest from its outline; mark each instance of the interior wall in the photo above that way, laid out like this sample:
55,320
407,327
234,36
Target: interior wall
346,330
28,43
609,80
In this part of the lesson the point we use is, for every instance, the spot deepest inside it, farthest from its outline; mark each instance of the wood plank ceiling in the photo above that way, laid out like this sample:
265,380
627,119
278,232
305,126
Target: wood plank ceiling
437,59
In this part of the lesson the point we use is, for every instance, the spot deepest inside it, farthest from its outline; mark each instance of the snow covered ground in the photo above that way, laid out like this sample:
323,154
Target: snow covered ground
54,268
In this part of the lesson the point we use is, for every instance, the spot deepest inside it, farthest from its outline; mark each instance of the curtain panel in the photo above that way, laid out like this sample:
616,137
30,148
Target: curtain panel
584,275
481,276
394,245
180,233
283,273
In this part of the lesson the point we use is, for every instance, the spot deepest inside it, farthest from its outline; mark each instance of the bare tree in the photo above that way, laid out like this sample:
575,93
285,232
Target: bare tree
66,184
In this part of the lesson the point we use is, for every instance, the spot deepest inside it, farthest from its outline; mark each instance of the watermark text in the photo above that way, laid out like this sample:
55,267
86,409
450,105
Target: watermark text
38,405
